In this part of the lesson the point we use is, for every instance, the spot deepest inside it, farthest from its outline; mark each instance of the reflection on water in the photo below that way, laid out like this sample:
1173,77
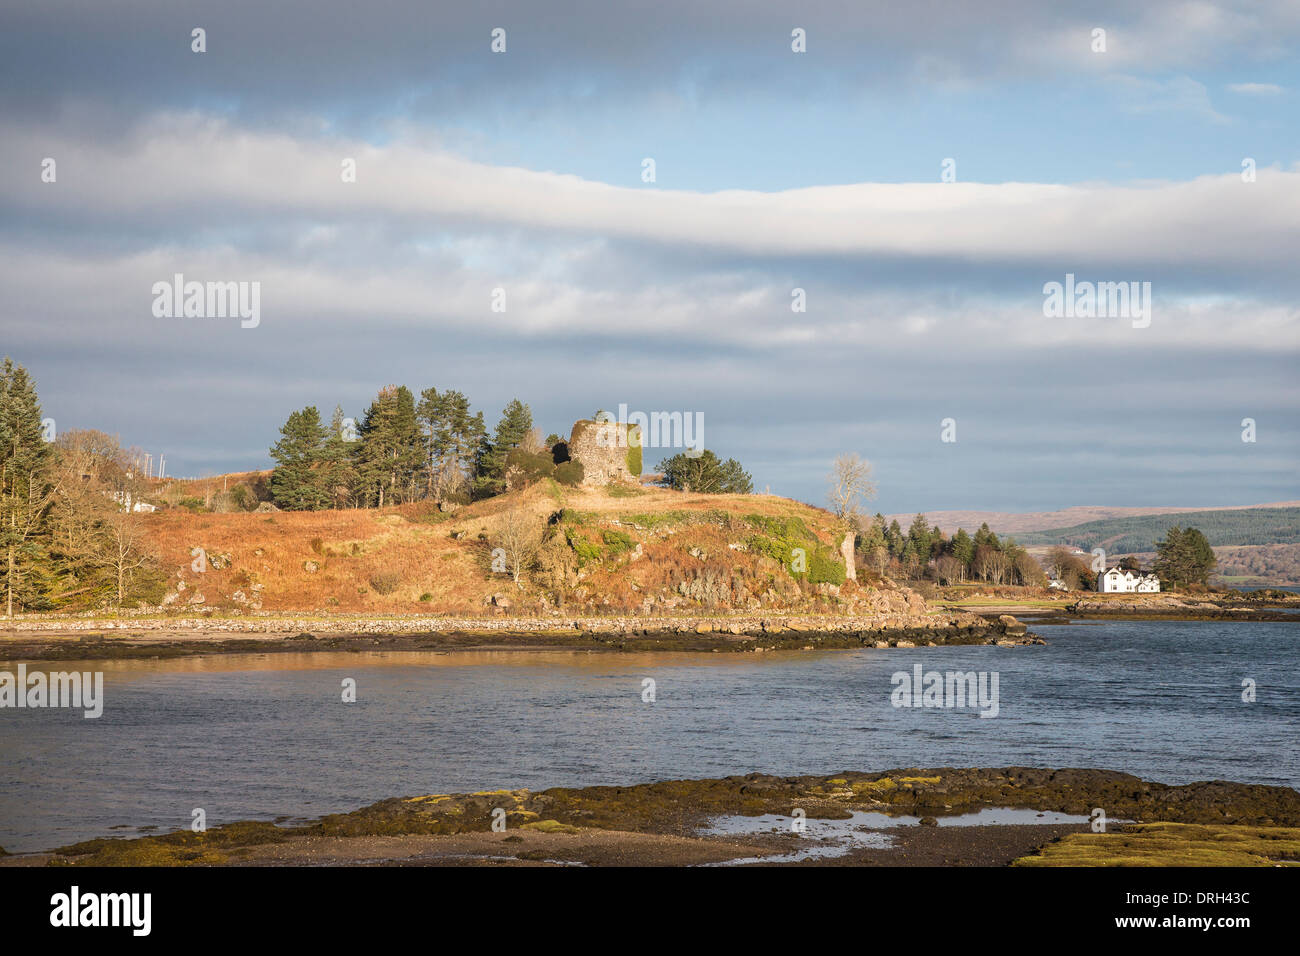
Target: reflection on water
267,735
826,839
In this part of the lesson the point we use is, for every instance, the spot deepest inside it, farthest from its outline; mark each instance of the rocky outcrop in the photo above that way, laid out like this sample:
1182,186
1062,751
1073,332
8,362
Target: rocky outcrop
847,552
1179,607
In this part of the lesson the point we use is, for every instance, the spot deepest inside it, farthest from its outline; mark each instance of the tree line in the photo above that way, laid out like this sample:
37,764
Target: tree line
439,448
70,524
406,450
1184,558
923,551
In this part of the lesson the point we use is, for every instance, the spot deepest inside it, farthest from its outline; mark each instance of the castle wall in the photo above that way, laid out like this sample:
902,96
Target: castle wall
603,448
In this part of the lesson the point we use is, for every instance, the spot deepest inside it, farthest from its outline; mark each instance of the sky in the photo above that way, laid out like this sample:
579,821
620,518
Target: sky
921,171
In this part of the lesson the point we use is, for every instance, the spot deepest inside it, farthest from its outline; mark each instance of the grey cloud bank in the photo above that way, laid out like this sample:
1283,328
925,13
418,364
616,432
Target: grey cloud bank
924,299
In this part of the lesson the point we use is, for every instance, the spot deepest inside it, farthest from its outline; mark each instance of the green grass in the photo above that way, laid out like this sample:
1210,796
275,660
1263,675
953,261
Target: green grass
618,542
1174,844
778,538
623,491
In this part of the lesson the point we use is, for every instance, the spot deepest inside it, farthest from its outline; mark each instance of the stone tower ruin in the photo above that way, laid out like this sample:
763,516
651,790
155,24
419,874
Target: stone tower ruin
610,451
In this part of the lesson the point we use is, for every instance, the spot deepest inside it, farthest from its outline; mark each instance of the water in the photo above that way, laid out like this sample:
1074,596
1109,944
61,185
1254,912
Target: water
266,736
824,839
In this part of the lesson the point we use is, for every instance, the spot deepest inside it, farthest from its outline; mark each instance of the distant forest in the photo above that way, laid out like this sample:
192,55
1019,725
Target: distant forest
1139,534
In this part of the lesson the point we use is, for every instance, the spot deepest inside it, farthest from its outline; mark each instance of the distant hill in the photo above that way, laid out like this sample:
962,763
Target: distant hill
1221,527
1017,523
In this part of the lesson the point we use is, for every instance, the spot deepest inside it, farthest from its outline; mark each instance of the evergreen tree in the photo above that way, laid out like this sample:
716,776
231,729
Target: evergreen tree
705,474
26,488
894,539
918,539
963,548
390,456
452,437
515,424
339,478
987,538
872,538
299,481
1184,558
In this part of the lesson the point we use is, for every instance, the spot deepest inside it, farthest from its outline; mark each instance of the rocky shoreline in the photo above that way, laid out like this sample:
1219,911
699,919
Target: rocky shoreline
171,637
1166,607
664,823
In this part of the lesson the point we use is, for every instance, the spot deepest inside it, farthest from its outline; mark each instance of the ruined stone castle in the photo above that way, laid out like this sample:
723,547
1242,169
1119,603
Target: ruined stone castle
610,451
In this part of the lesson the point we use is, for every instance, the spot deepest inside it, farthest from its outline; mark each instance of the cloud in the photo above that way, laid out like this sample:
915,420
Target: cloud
191,174
326,56
1255,89
924,299
1177,94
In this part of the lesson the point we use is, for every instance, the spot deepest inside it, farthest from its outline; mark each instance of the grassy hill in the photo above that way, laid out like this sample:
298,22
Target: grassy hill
612,551
1224,527
1019,523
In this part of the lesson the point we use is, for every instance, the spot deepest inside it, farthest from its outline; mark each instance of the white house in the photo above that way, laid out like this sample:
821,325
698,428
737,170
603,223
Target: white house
123,498
1118,580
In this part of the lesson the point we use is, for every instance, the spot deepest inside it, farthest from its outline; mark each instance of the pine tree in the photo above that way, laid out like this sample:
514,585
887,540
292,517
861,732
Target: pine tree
963,548
339,477
452,438
705,474
1184,557
299,481
918,539
894,538
390,456
515,424
26,486
987,538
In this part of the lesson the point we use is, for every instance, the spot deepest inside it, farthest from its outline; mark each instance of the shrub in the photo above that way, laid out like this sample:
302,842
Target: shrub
585,550
426,596
149,585
824,569
529,467
569,473
243,497
385,582
618,542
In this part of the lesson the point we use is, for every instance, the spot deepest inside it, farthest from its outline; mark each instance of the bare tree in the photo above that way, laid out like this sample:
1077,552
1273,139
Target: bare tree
98,515
991,565
122,550
520,536
850,486
1030,571
949,570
